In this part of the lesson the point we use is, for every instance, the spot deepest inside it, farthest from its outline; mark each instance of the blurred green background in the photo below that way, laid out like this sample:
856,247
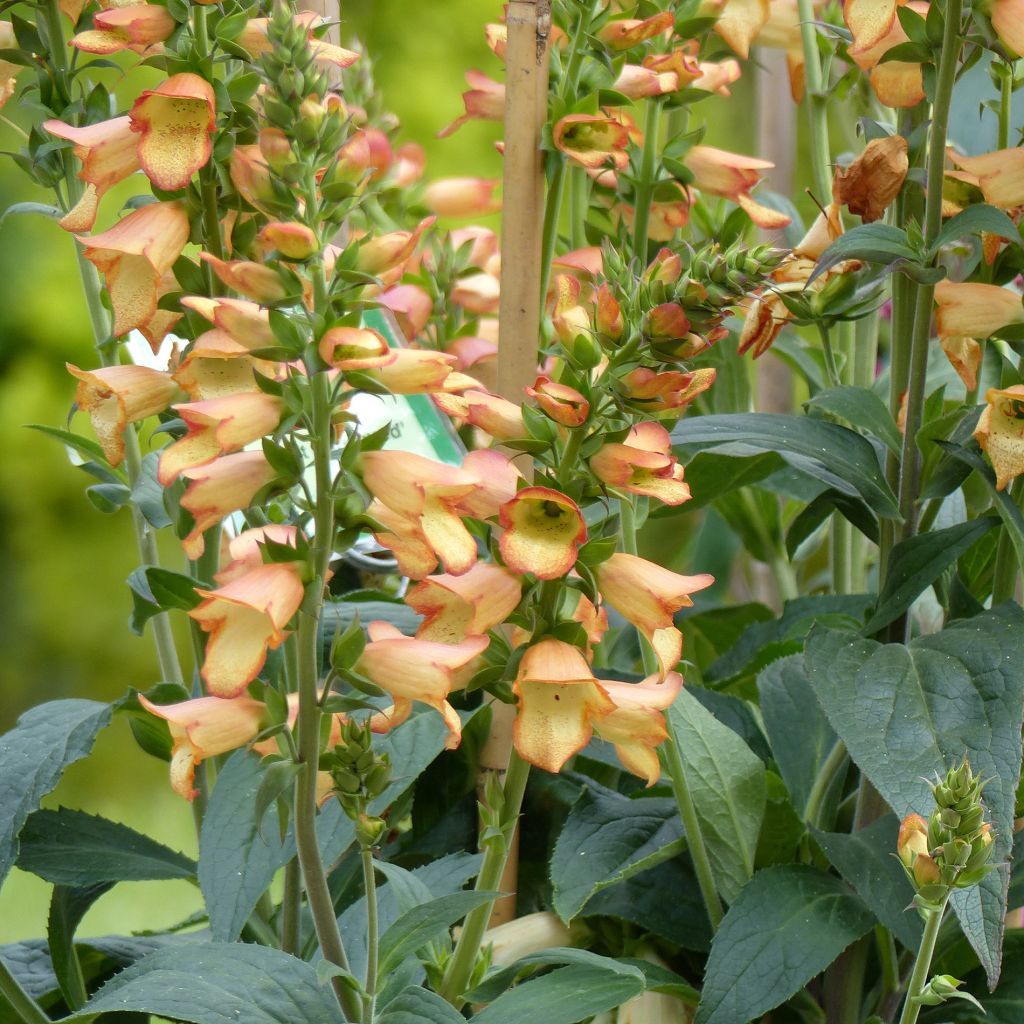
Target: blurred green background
64,605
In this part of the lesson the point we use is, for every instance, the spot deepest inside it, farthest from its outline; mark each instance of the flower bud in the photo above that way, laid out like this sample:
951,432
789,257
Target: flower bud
369,830
666,321
913,839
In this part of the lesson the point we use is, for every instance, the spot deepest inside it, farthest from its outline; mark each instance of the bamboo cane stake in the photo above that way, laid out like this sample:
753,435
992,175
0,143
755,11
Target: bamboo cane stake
522,223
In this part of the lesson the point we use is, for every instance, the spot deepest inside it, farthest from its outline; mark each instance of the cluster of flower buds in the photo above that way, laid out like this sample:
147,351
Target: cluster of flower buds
360,775
952,849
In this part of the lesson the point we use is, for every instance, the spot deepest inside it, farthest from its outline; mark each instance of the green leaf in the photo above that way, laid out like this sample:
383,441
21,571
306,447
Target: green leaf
916,563
870,243
608,838
148,495
865,859
33,756
727,784
108,498
972,221
824,505
798,731
834,455
218,983
860,408
565,996
1009,512
85,446
415,1005
908,712
785,928
71,848
557,956
711,474
67,908
421,925
237,857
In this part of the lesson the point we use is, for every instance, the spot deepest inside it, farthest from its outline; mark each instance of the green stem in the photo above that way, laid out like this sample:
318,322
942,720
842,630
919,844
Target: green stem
923,963
691,825
20,1001
579,203
1004,577
291,908
567,462
1005,107
372,924
57,58
552,215
645,186
830,356
865,356
833,764
318,895
910,469
460,967
817,111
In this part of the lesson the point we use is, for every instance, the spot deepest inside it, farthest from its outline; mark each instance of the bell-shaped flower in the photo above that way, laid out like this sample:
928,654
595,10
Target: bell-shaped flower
1008,24
411,669
426,494
496,416
454,607
250,174
717,76
638,82
1000,432
543,530
8,70
594,621
225,485
964,355
386,255
562,403
244,618
876,30
666,216
355,348
405,539
255,280
495,480
643,464
245,551
244,321
108,154
868,185
740,22
733,176
175,120
114,396
608,319
205,727
477,293
294,241
136,27
411,305
975,310
485,101
218,426
218,364
133,257
668,392
592,140
637,726
559,702
414,371
462,197
648,595
531,933
625,33
999,175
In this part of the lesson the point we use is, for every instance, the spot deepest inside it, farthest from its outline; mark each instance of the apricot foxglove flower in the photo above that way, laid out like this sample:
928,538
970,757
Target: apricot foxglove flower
218,364
8,71
975,310
625,33
1000,175
543,530
225,485
638,82
114,396
411,305
740,22
426,494
292,240
874,179
669,392
175,121
637,726
411,669
244,618
592,140
205,727
1000,432
135,27
244,321
462,197
218,426
355,348
414,371
485,101
559,700
477,293
405,539
254,280
245,551
643,464
648,595
562,403
1008,24
386,255
876,30
108,154
733,176
499,417
454,607
133,256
